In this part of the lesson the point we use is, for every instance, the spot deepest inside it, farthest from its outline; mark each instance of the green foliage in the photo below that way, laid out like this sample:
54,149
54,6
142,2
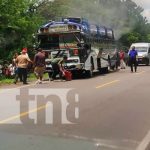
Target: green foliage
17,24
53,9
129,38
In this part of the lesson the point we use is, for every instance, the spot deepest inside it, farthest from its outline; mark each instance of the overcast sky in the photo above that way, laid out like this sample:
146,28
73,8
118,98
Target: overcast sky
146,5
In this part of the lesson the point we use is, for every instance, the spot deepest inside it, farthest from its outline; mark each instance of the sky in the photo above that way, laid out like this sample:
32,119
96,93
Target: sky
146,5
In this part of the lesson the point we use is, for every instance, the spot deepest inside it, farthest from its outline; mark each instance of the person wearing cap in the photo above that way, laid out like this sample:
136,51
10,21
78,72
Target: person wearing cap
57,66
39,62
22,62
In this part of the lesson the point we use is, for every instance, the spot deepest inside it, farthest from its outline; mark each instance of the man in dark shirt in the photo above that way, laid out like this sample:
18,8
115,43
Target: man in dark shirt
39,62
132,59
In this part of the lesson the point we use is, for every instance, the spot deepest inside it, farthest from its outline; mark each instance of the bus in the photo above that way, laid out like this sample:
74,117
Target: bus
89,47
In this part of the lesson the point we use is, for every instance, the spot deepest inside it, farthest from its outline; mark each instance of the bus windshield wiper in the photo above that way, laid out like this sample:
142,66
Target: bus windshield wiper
76,37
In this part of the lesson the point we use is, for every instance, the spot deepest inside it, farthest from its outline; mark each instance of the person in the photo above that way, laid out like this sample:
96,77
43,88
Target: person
117,59
15,69
22,62
122,56
39,62
132,59
57,66
25,50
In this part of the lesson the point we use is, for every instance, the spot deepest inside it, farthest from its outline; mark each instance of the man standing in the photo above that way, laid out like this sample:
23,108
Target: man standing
39,62
132,59
22,64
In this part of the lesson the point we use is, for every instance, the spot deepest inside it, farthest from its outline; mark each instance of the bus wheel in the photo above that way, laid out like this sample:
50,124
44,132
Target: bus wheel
106,70
89,74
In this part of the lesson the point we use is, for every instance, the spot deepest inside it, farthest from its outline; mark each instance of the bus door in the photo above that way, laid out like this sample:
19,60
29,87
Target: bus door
84,52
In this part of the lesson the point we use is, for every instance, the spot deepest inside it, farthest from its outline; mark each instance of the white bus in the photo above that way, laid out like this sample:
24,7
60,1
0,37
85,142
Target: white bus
90,48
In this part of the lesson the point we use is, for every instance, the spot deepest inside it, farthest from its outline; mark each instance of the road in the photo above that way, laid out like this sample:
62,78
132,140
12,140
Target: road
113,114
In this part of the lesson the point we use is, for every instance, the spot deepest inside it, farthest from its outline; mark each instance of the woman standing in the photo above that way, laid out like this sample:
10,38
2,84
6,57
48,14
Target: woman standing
122,56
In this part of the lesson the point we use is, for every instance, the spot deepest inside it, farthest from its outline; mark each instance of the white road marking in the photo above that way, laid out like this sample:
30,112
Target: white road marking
107,84
145,143
99,142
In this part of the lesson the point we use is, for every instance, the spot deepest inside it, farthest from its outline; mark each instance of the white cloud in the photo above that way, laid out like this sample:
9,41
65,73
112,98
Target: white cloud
146,13
146,5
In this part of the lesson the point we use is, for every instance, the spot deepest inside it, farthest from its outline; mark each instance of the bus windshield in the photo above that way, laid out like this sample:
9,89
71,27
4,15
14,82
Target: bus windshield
58,40
69,38
48,41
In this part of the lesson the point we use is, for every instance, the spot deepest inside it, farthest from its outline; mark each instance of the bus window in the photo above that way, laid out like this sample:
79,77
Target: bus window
48,41
110,34
102,31
69,38
93,30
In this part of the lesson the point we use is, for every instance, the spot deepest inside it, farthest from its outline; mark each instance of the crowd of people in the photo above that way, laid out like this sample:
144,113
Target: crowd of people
132,59
20,62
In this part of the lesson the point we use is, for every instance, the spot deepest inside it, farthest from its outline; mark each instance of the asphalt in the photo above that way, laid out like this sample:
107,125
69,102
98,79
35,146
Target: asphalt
113,114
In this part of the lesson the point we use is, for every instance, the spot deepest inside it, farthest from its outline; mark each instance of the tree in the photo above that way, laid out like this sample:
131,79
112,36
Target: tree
51,10
17,24
20,19
129,38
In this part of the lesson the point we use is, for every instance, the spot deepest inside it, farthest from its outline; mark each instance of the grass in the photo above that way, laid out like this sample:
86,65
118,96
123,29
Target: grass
4,80
8,80
32,77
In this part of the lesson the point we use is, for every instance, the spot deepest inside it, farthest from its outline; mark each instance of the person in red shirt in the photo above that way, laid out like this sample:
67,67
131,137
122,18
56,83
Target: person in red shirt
122,56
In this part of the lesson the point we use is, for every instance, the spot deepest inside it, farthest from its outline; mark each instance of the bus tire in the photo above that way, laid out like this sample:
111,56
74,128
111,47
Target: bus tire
89,74
106,70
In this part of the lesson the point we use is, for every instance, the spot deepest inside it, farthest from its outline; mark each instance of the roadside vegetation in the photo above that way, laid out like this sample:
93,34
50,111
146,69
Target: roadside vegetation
9,80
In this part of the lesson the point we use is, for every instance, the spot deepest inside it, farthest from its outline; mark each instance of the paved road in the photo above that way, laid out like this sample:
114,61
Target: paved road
113,112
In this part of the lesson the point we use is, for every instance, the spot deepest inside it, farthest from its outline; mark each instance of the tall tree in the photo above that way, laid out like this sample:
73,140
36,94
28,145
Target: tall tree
51,10
17,23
